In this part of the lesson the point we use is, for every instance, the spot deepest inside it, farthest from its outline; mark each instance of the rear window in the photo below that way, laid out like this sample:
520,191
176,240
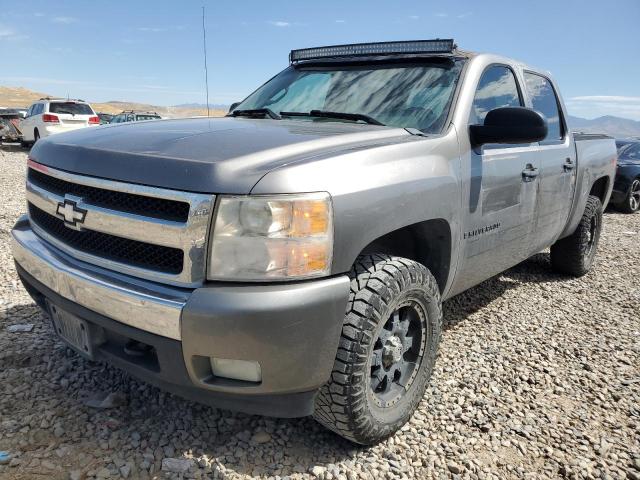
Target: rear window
72,108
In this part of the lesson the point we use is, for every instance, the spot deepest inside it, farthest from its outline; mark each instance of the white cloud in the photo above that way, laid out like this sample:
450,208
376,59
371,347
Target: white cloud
160,29
341,21
592,106
10,34
441,14
414,17
6,32
280,23
38,14
64,20
465,15
605,99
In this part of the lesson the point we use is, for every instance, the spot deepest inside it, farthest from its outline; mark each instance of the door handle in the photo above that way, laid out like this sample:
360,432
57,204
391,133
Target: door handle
529,173
568,165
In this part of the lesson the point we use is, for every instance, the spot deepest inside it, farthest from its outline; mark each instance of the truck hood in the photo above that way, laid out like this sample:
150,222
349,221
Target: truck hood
212,155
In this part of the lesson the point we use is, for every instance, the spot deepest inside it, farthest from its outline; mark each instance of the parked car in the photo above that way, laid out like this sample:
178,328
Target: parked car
9,125
135,116
621,142
626,188
49,116
291,259
105,118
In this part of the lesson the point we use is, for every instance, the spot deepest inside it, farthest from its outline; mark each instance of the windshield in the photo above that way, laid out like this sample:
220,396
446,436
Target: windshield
148,117
407,96
72,108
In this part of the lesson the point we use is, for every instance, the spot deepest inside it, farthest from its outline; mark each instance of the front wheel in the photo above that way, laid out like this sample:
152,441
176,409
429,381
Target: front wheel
387,350
574,255
631,204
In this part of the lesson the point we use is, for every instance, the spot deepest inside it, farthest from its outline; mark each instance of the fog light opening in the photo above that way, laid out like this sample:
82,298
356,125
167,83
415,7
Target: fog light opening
244,370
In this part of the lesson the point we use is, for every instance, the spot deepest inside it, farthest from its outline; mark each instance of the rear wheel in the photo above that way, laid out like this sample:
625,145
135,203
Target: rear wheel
574,255
387,350
36,135
631,204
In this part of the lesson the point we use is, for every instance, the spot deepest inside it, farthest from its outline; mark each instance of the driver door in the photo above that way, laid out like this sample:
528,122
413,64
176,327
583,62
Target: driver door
499,211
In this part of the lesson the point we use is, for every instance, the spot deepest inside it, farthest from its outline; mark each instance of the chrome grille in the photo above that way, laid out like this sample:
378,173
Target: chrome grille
137,230
141,254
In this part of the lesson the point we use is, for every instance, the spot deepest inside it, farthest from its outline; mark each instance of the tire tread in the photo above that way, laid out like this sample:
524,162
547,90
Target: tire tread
341,404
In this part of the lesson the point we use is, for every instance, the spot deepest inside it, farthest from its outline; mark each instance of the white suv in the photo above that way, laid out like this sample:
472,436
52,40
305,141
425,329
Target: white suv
49,116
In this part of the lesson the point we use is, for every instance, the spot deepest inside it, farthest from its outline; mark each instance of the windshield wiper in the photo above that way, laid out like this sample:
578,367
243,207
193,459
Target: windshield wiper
324,114
256,111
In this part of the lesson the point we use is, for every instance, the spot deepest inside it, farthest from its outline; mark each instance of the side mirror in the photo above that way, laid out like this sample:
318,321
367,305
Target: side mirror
233,106
509,125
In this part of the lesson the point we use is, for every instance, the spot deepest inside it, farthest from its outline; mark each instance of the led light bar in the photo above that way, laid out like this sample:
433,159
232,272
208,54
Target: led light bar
381,48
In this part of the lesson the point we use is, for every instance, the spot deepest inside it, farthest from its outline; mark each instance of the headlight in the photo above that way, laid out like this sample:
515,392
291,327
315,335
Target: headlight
279,237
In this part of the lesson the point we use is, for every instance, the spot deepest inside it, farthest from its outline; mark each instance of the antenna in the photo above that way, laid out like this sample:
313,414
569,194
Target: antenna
206,73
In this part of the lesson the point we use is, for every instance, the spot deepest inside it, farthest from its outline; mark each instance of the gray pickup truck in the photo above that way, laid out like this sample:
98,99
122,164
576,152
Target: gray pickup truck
291,258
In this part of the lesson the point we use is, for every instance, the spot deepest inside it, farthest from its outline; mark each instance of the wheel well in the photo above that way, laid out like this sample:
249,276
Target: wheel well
600,187
428,243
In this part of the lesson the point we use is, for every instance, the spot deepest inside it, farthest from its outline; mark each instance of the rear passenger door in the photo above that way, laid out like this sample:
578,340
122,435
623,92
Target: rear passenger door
557,162
502,189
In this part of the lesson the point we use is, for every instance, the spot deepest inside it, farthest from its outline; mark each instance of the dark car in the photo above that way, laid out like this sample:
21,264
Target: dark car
105,118
135,116
626,189
623,142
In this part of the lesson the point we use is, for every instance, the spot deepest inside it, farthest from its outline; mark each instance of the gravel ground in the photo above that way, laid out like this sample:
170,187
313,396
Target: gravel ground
538,377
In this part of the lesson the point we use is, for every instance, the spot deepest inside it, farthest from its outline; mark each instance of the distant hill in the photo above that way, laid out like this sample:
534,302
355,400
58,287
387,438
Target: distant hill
616,126
22,97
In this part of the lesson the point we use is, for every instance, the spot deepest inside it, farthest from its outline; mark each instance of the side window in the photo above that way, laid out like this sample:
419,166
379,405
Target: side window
30,111
544,100
39,109
497,88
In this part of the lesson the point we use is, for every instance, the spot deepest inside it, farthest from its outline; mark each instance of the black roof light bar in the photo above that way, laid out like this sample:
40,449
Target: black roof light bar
437,45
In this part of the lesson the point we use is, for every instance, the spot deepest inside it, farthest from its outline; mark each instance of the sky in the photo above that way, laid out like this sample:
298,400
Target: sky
152,52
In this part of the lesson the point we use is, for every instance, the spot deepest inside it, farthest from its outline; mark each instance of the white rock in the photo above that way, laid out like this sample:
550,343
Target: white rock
177,465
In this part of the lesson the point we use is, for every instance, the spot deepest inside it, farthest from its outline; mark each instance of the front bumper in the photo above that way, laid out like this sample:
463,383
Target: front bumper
292,330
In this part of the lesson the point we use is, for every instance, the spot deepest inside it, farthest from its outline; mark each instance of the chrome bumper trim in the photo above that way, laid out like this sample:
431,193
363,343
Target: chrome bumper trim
109,294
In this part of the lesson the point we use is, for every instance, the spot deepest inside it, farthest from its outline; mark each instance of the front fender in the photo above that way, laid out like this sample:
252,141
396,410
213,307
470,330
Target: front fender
380,189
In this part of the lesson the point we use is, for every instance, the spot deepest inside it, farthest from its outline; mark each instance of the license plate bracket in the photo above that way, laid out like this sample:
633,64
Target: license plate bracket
79,334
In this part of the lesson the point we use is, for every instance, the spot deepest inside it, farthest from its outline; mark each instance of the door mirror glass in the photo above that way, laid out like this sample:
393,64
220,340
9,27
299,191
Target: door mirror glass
510,125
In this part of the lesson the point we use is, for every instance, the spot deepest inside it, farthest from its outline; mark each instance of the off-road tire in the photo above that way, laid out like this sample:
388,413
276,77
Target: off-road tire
628,205
574,255
379,284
